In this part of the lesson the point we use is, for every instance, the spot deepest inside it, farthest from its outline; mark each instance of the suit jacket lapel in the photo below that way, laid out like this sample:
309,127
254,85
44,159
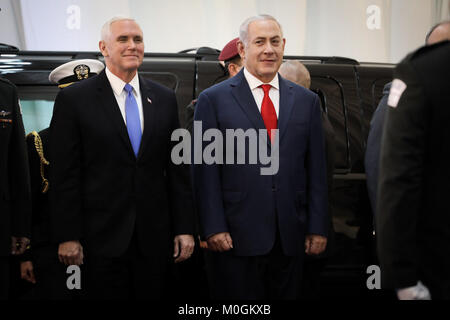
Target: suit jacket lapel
149,103
108,101
243,95
286,106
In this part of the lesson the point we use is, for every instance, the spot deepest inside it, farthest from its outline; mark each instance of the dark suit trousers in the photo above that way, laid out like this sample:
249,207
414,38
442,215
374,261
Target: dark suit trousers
51,277
130,276
272,276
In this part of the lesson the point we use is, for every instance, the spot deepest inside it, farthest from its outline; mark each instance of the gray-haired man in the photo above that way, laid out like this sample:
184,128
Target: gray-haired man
117,199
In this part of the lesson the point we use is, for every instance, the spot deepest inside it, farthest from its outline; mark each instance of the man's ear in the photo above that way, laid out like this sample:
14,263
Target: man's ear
241,49
102,47
231,69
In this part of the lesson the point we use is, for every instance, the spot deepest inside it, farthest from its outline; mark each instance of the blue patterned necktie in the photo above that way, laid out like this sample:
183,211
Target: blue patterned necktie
133,121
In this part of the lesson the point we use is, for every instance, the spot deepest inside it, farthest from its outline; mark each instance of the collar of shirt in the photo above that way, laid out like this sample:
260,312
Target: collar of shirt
258,93
118,84
254,82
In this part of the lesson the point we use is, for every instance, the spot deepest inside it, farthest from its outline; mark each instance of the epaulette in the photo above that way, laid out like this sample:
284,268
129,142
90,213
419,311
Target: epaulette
43,162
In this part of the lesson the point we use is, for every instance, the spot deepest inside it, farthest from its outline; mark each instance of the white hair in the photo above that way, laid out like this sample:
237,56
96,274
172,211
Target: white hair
243,30
106,29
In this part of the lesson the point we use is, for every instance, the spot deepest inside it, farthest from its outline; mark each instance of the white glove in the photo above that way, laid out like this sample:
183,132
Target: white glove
417,292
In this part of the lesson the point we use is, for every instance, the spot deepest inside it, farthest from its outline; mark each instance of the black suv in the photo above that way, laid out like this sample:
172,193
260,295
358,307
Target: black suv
349,92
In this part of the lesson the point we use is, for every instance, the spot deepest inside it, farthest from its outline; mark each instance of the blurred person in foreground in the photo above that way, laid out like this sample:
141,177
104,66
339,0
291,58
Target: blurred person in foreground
439,32
39,265
412,220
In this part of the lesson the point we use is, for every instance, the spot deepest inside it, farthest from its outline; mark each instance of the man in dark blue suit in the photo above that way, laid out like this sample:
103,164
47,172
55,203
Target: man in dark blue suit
258,226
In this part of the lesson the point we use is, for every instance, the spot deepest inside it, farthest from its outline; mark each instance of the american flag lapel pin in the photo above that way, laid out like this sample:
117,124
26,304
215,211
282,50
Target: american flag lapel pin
149,100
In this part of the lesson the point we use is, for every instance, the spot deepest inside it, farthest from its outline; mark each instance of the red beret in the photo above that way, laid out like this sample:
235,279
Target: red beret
229,51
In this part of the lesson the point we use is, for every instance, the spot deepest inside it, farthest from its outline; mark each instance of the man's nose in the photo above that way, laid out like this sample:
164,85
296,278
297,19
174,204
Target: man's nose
268,48
131,44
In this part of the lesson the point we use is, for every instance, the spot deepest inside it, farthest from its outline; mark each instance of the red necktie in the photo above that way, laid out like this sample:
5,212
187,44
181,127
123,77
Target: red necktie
268,112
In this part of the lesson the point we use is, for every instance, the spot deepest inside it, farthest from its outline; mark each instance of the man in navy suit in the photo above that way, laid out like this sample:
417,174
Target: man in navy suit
258,226
119,204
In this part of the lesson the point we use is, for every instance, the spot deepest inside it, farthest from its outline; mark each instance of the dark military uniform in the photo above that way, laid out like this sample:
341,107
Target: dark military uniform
413,210
49,272
15,199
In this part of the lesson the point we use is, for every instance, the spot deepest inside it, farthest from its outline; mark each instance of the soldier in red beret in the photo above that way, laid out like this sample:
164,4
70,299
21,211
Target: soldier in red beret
232,62
231,58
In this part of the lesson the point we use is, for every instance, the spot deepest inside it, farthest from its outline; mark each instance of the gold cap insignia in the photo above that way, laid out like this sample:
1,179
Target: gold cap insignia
81,71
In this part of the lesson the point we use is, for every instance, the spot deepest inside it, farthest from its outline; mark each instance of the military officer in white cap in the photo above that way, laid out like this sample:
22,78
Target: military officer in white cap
40,264
74,71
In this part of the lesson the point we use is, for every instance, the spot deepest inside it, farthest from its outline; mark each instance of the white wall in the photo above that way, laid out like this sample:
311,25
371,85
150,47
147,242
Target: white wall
169,26
340,28
58,25
179,25
311,27
9,31
411,21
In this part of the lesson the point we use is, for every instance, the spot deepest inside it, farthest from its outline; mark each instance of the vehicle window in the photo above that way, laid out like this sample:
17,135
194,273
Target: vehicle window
176,75
210,73
332,102
371,80
166,79
36,114
37,106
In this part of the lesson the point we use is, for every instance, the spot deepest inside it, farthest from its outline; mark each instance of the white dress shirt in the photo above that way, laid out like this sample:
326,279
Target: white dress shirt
258,93
118,85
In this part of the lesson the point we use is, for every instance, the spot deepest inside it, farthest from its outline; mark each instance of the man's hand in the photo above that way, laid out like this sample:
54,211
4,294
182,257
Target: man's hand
183,247
19,245
70,253
26,271
315,244
417,292
220,242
